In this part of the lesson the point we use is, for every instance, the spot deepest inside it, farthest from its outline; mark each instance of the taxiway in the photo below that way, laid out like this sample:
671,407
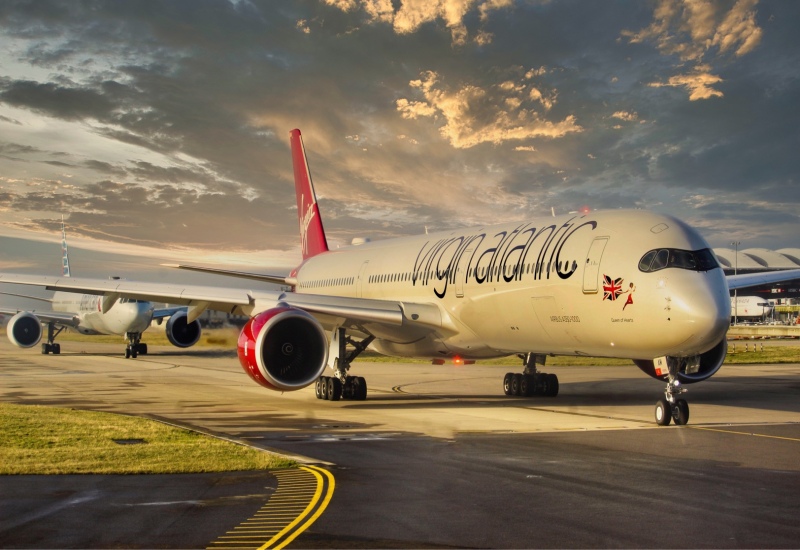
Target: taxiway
435,457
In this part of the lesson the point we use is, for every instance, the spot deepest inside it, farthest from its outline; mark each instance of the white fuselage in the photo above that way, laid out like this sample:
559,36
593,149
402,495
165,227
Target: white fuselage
124,316
564,285
752,307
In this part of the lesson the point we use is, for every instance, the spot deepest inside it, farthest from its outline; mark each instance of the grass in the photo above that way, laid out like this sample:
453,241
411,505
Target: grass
49,440
226,337
769,355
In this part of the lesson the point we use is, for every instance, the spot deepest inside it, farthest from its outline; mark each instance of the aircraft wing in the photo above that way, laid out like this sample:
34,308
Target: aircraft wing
755,279
162,312
57,317
355,312
26,296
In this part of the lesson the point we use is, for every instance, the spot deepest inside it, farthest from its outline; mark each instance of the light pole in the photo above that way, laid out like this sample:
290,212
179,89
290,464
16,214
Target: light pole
735,245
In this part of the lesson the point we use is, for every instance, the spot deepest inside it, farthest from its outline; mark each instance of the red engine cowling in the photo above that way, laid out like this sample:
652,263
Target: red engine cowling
180,333
283,349
691,369
24,329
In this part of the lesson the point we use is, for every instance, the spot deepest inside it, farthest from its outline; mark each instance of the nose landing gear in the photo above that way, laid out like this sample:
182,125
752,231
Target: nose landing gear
670,407
135,347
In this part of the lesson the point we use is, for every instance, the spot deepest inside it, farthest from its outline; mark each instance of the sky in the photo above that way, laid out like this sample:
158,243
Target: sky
160,129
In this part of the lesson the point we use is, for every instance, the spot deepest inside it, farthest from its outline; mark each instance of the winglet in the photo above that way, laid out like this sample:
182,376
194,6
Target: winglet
64,252
312,234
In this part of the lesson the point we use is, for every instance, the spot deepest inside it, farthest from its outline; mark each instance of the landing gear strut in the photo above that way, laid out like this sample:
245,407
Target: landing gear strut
135,347
341,385
669,407
531,382
50,346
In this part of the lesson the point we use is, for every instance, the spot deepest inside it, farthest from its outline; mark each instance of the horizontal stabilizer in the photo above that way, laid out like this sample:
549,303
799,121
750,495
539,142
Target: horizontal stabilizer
274,279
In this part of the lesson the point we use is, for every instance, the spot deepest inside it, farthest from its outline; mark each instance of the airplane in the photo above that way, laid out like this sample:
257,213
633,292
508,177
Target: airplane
625,283
750,307
92,314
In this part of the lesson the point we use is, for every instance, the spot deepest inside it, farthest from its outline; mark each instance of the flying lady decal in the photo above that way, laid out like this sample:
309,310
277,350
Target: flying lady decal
613,289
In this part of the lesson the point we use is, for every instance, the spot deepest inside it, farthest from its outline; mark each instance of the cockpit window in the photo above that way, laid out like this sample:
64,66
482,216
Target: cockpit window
693,260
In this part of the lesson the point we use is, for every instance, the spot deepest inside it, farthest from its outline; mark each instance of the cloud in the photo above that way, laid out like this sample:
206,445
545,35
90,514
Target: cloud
625,115
59,101
699,33
473,114
408,16
700,83
168,126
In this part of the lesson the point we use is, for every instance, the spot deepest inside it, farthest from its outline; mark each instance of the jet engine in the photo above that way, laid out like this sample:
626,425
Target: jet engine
180,333
691,369
283,349
24,329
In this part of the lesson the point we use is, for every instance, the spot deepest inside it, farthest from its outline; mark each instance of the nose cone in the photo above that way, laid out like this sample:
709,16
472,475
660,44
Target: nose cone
137,316
701,309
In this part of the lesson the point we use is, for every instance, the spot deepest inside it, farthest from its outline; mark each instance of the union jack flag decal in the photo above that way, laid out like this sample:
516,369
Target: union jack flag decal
612,288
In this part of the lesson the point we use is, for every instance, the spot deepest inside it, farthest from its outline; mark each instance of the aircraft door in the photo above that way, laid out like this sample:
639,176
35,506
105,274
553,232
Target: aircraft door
362,273
591,270
461,272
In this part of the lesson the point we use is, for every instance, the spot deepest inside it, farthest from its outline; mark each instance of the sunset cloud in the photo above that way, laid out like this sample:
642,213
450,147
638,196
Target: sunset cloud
473,115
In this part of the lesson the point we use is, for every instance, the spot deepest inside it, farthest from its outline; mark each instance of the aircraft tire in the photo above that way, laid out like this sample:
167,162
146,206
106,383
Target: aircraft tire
663,412
360,388
552,385
680,414
318,388
127,353
334,389
142,349
526,386
45,349
323,387
507,383
56,349
516,382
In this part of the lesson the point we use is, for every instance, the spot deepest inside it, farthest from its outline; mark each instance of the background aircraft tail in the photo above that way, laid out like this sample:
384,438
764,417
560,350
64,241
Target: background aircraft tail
64,253
312,234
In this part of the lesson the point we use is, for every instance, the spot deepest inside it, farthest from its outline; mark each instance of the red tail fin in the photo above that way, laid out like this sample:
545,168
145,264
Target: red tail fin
311,232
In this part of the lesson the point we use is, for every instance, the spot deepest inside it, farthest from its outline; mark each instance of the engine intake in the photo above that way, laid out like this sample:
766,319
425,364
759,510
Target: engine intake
24,329
691,369
180,333
283,349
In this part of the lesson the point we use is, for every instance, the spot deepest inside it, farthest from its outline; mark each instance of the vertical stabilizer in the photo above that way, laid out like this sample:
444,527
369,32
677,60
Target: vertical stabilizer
312,234
64,253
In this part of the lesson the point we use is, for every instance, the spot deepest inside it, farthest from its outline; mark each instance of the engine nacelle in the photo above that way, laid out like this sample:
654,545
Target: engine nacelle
283,349
691,369
24,329
180,333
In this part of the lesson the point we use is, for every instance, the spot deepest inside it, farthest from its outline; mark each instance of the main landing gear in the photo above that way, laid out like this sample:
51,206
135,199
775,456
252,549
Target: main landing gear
669,407
530,382
341,385
50,346
135,347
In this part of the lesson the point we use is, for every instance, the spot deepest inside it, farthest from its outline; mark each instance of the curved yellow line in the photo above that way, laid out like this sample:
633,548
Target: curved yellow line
297,520
320,510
